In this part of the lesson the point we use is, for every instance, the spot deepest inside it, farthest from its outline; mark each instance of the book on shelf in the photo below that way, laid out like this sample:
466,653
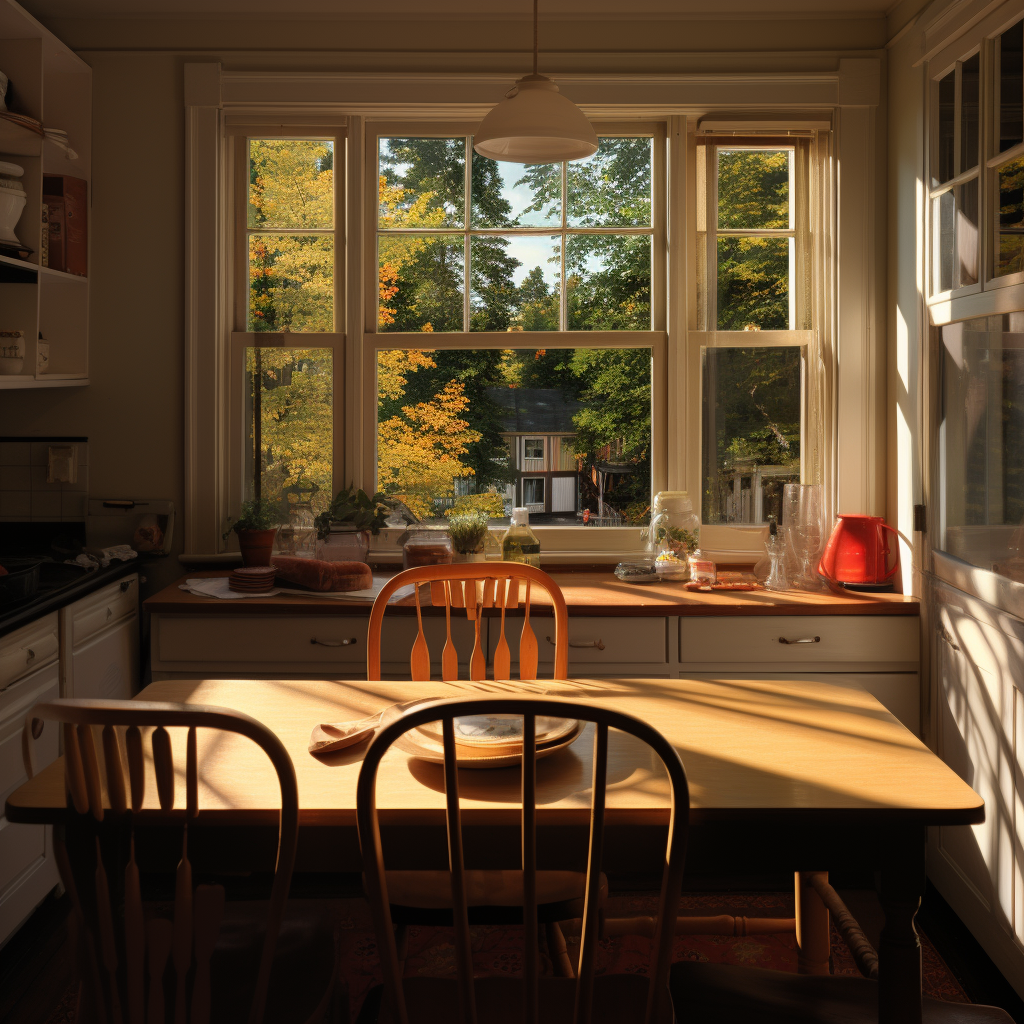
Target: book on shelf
66,199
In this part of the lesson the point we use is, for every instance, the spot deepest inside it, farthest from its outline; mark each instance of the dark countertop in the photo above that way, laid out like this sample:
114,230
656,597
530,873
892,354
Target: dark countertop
22,614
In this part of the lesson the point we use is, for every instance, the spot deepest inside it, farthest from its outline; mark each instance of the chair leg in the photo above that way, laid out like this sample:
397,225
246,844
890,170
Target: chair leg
560,962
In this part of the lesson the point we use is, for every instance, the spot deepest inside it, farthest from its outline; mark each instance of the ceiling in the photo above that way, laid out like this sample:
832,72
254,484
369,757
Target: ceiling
476,9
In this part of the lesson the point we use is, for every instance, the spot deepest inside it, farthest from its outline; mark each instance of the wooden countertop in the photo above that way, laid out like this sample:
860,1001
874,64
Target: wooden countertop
586,593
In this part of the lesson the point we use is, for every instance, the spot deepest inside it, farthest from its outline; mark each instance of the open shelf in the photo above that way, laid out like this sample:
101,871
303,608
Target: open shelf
34,268
17,140
49,380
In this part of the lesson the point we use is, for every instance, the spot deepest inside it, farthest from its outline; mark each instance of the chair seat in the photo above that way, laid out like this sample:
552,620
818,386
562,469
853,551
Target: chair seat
300,979
618,999
726,994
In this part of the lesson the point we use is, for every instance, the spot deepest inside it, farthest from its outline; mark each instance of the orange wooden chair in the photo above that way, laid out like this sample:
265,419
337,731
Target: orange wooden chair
474,587
231,961
586,999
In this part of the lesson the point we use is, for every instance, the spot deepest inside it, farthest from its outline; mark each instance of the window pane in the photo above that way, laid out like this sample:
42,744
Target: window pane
967,233
982,441
293,391
943,235
291,283
1011,86
751,431
452,422
291,183
422,183
420,282
1010,254
753,188
753,283
969,79
608,282
509,195
612,188
947,112
533,491
514,283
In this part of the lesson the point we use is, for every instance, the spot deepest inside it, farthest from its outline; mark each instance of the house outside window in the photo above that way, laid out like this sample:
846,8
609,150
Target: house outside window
533,448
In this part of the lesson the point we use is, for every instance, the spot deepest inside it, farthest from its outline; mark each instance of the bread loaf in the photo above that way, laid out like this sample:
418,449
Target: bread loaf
318,575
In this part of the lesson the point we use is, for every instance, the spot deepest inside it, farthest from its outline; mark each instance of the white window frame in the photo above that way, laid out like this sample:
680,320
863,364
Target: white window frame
846,96
535,440
543,490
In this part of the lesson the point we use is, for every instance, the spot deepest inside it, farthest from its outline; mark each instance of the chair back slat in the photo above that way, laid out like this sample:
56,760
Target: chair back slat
474,586
502,657
588,936
136,765
163,768
91,765
446,711
117,981
419,660
115,771
531,943
456,864
449,655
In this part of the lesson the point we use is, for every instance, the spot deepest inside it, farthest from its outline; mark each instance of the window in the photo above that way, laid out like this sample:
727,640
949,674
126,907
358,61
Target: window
533,491
755,308
533,448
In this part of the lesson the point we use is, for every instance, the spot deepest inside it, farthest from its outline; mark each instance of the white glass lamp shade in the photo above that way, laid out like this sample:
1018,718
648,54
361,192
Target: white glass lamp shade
535,125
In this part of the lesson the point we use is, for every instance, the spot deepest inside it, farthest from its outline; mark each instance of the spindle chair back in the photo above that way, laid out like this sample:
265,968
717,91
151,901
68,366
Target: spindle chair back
111,783
473,587
658,999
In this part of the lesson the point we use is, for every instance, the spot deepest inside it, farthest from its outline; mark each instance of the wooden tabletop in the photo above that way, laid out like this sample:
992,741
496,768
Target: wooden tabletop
586,593
806,753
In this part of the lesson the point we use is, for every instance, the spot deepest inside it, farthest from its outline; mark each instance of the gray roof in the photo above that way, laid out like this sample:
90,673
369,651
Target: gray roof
535,410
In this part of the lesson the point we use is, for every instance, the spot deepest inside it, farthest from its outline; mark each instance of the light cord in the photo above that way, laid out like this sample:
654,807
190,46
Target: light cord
535,36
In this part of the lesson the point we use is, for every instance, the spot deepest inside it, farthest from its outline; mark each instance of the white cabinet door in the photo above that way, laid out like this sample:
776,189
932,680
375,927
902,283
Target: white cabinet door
106,666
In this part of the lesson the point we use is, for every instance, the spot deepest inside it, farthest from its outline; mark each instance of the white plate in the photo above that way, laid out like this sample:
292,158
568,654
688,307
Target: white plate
500,730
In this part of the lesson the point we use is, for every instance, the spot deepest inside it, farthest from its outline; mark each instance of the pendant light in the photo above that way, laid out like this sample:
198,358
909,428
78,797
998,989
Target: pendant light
535,123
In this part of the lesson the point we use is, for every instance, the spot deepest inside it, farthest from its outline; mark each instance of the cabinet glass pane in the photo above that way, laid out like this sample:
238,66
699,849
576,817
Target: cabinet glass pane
422,183
750,434
514,281
421,284
291,183
293,389
1010,243
754,277
947,114
1011,86
969,133
453,423
981,443
291,283
753,188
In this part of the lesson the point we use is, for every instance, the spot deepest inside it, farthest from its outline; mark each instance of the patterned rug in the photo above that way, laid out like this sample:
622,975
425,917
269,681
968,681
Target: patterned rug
497,949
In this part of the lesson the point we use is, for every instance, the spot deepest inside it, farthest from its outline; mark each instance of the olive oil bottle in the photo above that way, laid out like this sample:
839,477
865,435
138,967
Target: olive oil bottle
520,544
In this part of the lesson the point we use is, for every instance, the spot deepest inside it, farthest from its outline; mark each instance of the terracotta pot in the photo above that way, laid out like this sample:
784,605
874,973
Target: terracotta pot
256,545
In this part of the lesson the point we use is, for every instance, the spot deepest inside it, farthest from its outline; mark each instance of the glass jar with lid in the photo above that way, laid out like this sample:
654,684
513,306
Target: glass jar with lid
426,545
674,534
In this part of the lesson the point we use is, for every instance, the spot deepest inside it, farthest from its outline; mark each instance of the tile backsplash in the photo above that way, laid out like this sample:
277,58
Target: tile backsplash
25,496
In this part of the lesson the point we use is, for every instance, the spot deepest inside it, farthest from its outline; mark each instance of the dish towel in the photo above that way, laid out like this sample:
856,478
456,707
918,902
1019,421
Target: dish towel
218,587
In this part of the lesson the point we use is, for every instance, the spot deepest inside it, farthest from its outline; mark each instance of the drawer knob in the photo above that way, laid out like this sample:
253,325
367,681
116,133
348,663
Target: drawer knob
332,643
125,584
802,640
29,654
581,643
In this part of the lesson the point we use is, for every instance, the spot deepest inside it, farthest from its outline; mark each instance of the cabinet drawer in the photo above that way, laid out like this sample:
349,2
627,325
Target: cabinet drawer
14,706
87,617
28,649
721,641
593,640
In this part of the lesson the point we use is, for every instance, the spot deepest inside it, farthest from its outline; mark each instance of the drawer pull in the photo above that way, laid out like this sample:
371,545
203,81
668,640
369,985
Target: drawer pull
332,643
125,584
581,643
29,654
802,640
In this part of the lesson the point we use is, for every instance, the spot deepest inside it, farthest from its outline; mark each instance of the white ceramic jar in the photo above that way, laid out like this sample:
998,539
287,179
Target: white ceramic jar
12,202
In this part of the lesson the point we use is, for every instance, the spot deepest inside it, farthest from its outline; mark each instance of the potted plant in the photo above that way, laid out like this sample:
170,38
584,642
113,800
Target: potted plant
256,527
468,531
343,530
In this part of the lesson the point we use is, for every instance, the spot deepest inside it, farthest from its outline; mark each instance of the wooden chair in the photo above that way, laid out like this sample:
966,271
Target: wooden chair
534,999
474,586
231,962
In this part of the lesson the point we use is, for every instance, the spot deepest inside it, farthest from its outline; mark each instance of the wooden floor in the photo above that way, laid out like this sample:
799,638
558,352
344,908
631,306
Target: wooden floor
36,964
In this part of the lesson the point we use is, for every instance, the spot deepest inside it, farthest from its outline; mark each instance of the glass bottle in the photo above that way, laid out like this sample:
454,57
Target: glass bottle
674,534
776,548
520,543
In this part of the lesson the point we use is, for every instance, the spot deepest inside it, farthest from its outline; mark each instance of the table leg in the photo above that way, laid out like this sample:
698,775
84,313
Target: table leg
812,928
899,949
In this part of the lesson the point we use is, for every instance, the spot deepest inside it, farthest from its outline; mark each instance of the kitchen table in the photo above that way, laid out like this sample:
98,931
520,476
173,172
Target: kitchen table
814,775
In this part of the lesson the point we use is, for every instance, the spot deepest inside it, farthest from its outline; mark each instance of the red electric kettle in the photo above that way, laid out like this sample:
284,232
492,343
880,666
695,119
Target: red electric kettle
857,553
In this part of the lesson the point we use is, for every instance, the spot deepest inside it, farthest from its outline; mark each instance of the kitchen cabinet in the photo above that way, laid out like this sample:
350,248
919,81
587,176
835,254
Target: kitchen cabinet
29,673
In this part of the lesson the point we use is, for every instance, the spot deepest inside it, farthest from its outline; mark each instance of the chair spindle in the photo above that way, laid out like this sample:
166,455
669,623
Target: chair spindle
87,746
115,771
163,766
531,952
136,766
74,773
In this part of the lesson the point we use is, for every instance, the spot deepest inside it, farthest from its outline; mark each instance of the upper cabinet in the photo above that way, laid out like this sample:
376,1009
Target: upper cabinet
46,131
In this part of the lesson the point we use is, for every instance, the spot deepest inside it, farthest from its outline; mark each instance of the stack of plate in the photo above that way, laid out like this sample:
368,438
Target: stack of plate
253,579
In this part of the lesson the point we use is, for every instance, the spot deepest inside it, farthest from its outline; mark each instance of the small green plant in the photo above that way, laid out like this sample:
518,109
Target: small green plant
468,530
355,507
257,514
